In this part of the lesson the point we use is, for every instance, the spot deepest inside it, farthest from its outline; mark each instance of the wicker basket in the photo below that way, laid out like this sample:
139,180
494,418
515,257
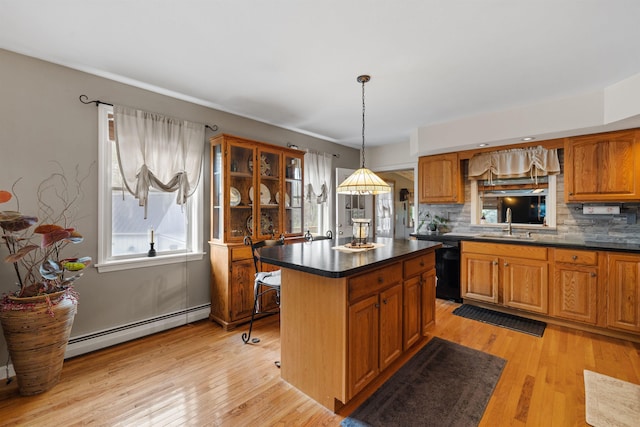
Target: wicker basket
37,331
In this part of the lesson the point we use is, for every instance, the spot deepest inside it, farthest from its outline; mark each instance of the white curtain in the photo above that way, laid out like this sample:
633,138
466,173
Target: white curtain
515,163
317,176
159,152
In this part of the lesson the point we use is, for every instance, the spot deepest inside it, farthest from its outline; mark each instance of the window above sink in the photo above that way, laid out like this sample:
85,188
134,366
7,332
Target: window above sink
532,202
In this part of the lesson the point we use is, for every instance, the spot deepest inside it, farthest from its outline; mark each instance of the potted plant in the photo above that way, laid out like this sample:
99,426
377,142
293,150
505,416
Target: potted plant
37,317
432,222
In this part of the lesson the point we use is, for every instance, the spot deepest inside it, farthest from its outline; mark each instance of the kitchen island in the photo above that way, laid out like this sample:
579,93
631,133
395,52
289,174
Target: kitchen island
346,317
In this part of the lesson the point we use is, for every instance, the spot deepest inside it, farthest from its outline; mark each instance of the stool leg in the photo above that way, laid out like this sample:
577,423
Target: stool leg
246,336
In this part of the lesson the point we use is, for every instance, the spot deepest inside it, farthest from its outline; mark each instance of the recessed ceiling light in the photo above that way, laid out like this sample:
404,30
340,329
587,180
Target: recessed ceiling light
484,144
528,138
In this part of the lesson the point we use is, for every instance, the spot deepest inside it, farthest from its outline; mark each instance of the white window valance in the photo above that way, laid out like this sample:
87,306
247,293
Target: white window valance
317,176
515,163
158,151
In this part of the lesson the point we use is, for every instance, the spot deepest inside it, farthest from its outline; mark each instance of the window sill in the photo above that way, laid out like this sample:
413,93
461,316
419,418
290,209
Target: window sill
127,264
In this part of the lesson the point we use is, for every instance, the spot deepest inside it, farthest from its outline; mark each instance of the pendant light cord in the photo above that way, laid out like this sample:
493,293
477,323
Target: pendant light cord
363,82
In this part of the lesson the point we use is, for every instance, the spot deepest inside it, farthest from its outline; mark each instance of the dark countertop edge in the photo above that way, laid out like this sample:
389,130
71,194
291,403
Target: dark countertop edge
587,245
350,272
325,273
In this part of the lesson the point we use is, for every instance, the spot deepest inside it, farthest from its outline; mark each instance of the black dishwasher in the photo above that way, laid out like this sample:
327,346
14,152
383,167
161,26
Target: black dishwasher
447,265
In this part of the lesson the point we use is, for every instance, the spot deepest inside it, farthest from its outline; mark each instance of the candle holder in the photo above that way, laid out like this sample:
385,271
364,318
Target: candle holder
360,232
152,251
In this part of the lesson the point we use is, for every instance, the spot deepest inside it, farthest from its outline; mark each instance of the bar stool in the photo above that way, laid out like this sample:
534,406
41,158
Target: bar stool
264,282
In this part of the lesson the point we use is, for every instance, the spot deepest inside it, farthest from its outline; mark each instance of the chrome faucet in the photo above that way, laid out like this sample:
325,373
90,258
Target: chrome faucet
509,229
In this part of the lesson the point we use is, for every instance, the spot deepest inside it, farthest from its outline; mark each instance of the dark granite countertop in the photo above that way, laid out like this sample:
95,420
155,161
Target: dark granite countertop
536,240
319,258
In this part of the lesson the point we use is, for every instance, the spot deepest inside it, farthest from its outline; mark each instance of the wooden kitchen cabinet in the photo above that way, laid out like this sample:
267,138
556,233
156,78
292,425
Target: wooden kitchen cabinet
249,180
440,179
491,273
575,287
479,275
525,283
623,292
375,324
602,167
419,294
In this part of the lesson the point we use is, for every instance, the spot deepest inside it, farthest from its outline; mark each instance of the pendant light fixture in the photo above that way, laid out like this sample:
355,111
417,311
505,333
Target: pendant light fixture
363,181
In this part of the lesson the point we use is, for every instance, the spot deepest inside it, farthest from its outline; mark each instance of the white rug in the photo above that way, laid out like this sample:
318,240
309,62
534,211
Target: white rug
610,401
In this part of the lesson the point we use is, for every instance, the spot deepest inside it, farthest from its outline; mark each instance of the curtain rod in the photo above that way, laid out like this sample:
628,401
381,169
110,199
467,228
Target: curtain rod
295,147
85,100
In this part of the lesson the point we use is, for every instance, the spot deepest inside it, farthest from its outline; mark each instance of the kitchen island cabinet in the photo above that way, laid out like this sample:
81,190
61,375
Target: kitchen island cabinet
341,314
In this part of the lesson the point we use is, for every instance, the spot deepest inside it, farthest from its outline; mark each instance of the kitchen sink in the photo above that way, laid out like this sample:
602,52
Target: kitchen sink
503,236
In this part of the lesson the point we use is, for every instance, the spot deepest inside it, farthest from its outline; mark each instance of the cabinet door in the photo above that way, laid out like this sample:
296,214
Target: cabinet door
526,284
440,179
574,293
411,297
363,343
291,198
602,167
241,294
390,325
428,301
623,310
269,186
239,160
479,277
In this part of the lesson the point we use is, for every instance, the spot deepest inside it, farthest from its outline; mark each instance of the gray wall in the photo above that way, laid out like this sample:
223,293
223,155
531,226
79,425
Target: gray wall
42,120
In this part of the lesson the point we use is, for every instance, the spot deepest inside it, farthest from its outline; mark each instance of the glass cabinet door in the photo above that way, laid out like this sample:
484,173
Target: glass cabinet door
293,194
240,159
217,200
268,194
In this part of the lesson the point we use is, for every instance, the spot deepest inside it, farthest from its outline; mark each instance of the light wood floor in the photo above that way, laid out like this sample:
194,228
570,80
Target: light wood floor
198,375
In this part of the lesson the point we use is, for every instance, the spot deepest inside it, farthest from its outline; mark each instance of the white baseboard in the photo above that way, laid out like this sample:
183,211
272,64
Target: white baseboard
108,337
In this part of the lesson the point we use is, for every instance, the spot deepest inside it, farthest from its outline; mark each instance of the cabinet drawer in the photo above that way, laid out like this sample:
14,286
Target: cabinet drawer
419,264
240,252
374,281
506,250
573,256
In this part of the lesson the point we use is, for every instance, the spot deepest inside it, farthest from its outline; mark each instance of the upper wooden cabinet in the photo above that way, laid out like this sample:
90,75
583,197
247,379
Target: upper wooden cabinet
256,190
602,167
440,179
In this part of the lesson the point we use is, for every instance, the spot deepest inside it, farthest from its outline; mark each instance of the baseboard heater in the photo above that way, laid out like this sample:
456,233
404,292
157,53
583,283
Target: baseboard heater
108,337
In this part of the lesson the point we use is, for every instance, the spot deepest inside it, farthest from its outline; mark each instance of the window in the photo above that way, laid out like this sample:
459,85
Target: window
316,216
124,234
532,202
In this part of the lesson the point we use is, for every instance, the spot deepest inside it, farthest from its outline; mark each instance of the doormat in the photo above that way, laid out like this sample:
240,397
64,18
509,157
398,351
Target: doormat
610,401
509,321
445,384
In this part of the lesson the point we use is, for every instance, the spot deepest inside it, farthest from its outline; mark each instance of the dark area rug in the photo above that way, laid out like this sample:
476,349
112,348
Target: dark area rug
517,323
444,384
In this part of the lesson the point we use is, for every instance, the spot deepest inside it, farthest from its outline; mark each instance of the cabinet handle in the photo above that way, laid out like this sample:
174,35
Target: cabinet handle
571,194
380,279
506,264
495,262
377,305
384,301
421,263
575,257
593,274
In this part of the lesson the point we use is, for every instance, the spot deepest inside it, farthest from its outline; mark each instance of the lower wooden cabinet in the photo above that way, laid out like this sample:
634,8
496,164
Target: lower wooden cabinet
419,294
525,284
623,292
575,288
375,324
490,272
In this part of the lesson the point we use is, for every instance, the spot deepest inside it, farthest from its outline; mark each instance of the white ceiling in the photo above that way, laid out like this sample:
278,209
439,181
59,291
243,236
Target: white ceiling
294,63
